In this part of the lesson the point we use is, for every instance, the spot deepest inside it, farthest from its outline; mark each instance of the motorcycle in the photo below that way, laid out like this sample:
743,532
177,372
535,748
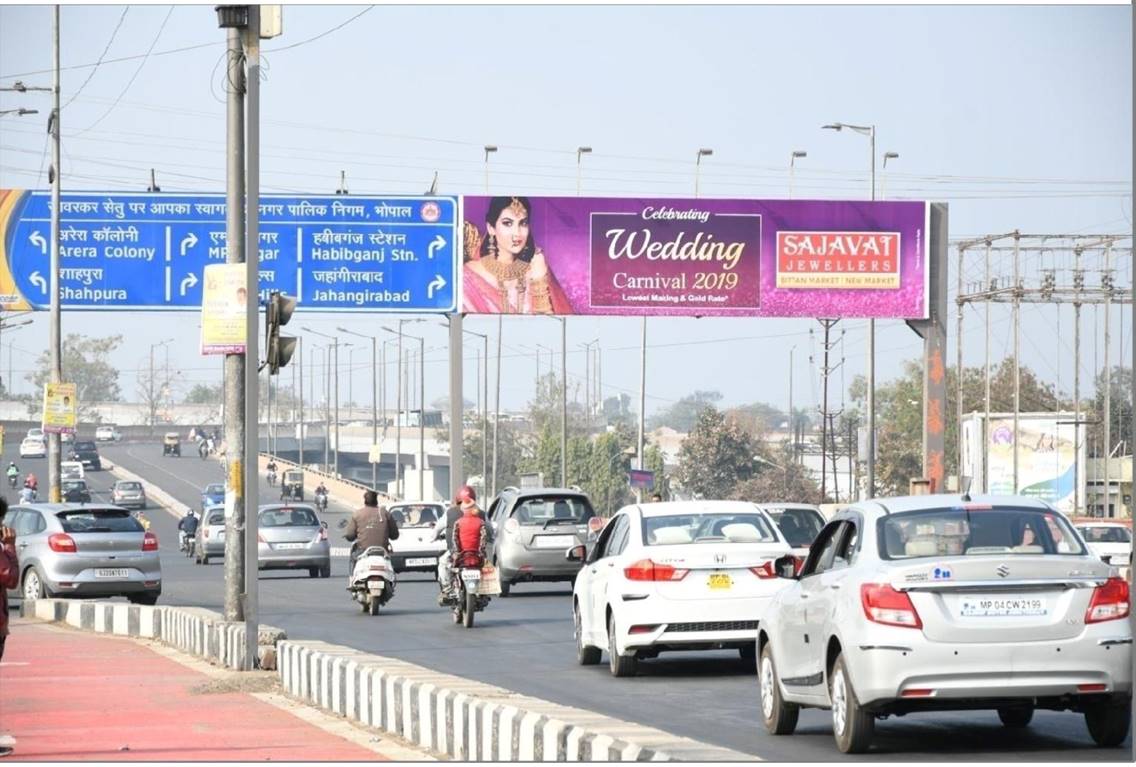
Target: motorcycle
188,543
13,480
469,584
203,449
372,580
321,502
271,477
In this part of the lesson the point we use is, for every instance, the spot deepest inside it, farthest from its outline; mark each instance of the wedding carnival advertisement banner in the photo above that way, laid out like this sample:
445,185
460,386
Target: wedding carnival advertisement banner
694,257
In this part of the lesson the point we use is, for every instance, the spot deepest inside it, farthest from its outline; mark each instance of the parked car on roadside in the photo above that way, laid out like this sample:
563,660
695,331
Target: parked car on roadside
799,523
415,549
129,494
75,491
212,494
87,453
1111,541
292,537
87,550
107,433
210,535
938,603
677,576
33,447
532,530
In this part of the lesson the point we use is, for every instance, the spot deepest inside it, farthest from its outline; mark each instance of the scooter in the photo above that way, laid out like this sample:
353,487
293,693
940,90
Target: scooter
272,478
321,502
464,595
13,480
372,580
188,543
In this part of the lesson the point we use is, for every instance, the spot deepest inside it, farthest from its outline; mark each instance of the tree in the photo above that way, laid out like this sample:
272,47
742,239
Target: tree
759,417
654,463
86,363
202,394
682,415
784,481
154,390
716,455
1120,408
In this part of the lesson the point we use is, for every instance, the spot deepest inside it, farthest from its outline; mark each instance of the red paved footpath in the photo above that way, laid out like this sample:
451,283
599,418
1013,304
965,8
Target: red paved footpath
83,696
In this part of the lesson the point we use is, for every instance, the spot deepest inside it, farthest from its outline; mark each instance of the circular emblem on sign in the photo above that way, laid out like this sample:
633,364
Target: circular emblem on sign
431,212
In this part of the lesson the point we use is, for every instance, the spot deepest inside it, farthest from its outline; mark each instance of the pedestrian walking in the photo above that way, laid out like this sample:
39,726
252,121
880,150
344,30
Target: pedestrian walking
9,579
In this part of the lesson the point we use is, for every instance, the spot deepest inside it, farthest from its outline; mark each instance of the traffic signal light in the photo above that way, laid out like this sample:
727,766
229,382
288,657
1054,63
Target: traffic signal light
278,350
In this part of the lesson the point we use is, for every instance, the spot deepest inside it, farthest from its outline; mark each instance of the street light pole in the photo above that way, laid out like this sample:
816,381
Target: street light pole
334,352
374,399
54,445
489,149
870,132
883,174
580,152
698,166
792,162
485,408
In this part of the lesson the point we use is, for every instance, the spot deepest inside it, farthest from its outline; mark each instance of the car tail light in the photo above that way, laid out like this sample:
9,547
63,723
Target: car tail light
149,542
646,570
512,526
883,604
1091,687
919,692
1109,602
63,543
642,628
765,570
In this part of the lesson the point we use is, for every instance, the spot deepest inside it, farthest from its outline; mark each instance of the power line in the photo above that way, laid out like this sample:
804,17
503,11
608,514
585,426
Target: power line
125,10
321,34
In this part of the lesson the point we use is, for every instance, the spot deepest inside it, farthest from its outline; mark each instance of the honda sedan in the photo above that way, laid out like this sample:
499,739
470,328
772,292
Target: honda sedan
942,603
690,575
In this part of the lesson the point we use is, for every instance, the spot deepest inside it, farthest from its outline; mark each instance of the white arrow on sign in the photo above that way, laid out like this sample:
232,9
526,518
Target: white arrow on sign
439,242
188,242
437,283
37,239
38,280
188,283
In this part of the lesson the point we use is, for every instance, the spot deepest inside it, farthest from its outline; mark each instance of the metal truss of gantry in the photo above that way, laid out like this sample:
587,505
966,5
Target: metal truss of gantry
1056,269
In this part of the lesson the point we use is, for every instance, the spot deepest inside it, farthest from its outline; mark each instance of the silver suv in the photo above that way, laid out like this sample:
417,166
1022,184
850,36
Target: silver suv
84,550
533,528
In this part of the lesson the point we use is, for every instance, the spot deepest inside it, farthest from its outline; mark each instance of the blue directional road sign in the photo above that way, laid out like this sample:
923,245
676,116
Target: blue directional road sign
147,251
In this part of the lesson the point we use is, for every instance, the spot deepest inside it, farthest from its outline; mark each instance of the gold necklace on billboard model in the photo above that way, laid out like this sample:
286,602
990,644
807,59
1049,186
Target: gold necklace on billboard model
502,273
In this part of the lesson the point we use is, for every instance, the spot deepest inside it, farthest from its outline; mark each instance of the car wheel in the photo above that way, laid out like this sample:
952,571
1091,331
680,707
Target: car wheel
204,559
586,655
34,587
314,572
325,571
1108,723
146,598
1016,717
780,717
505,586
851,725
619,665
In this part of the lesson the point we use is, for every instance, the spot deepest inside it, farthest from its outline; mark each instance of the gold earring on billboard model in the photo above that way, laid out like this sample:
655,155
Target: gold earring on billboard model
492,247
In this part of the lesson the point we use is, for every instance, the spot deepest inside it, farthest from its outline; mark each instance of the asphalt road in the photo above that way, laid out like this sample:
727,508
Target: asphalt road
524,643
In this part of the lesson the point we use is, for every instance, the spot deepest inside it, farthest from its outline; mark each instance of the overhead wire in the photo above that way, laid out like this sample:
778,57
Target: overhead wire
91,74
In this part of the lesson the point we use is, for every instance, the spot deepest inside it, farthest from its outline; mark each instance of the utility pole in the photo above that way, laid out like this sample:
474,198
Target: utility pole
497,406
300,363
643,392
792,429
54,445
457,411
1017,354
563,401
1106,280
825,416
1078,474
235,363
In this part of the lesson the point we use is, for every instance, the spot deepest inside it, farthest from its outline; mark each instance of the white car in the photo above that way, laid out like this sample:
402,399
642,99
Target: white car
799,523
415,549
33,447
942,603
71,470
1111,541
36,433
687,575
107,434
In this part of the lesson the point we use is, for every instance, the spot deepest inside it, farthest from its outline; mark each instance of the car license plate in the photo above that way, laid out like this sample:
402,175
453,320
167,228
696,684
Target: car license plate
998,607
471,576
289,546
112,573
554,541
720,581
421,562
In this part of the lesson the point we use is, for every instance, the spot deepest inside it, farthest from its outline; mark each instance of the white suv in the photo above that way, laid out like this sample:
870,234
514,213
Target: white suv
107,434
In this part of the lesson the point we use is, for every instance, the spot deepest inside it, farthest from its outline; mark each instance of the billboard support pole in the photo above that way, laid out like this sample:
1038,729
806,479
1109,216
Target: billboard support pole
1017,351
1078,474
54,438
986,420
457,407
958,364
1107,382
642,403
933,331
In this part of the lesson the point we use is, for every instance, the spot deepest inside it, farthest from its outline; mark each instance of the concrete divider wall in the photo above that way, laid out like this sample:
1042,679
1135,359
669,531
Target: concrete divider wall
193,630
469,720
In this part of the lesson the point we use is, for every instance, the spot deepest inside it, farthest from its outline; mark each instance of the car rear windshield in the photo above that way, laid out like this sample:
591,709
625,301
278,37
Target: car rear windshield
708,527
299,517
85,446
215,490
420,515
75,484
216,518
1106,535
130,486
799,526
98,521
553,510
975,531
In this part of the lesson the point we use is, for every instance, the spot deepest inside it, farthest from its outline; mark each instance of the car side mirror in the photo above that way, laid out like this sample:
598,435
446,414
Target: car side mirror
575,554
786,567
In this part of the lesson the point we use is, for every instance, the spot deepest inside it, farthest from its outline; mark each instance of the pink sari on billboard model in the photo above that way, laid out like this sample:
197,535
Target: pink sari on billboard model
518,287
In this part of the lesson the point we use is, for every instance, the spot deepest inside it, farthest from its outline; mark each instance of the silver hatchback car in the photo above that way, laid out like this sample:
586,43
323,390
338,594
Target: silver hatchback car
533,528
940,603
210,535
293,537
85,550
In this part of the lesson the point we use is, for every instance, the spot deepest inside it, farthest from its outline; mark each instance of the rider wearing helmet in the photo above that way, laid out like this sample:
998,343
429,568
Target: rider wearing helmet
13,469
187,526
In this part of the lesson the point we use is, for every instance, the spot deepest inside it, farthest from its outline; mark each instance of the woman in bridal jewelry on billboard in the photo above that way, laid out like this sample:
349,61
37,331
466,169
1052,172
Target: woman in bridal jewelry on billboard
504,271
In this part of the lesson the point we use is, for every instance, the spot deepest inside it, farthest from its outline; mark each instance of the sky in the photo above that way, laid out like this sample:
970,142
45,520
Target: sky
1017,117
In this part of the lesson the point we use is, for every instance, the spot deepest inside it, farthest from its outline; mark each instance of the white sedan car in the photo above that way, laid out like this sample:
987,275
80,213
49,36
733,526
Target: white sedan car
942,603
415,549
690,575
1111,541
33,447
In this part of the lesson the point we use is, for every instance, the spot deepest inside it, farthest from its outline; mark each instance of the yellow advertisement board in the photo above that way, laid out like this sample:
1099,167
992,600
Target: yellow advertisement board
224,306
60,406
